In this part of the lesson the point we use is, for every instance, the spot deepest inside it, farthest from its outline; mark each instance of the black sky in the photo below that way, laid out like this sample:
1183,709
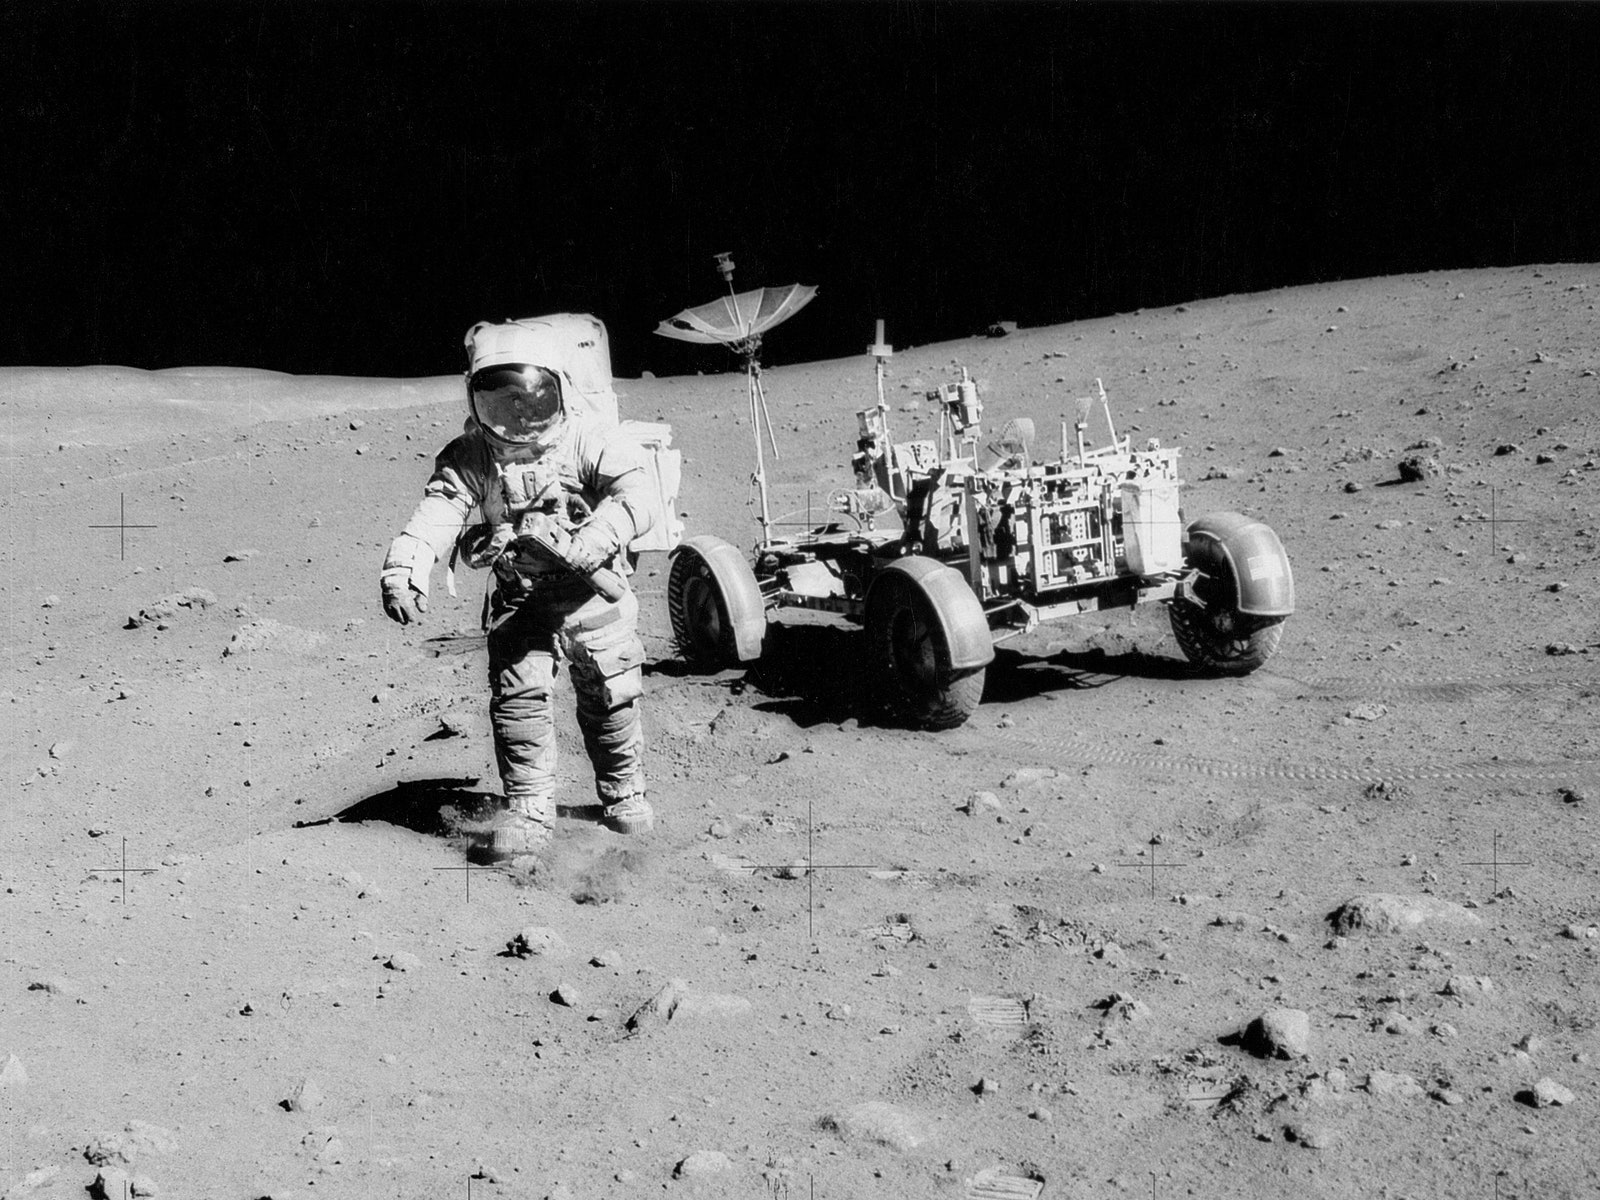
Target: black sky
343,188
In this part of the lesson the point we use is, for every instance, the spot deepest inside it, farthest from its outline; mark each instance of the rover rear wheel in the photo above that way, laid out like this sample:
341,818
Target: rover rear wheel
910,657
1222,640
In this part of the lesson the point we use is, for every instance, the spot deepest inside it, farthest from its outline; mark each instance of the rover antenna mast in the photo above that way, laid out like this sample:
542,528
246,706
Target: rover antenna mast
737,321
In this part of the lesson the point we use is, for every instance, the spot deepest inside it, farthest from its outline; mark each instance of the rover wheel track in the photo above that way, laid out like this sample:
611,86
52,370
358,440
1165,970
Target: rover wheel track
1052,751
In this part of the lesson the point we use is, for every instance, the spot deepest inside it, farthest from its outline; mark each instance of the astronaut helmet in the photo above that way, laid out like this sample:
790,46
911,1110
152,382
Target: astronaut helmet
516,400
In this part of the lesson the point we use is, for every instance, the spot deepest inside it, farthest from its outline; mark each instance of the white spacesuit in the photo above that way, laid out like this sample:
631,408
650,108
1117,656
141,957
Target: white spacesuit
561,495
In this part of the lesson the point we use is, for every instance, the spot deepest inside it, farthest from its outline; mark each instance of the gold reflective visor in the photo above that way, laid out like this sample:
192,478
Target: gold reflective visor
516,403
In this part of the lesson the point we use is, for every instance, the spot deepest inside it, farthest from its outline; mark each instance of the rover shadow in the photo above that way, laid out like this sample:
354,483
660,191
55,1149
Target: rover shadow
1015,676
815,674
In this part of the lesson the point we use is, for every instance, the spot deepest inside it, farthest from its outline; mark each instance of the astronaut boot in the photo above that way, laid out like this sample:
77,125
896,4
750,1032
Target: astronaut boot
526,827
629,814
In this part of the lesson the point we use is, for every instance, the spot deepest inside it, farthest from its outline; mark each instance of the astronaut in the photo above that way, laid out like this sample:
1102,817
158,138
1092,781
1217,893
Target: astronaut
561,495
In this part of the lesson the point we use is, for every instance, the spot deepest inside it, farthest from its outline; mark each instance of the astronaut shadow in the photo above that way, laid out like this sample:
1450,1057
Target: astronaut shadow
441,808
815,675
1015,676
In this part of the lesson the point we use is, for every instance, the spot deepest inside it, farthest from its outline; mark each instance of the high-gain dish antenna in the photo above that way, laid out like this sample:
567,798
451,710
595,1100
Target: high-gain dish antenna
738,321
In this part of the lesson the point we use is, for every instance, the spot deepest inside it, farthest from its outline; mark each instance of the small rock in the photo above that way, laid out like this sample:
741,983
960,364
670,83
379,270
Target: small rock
112,1183
538,941
306,1097
403,960
253,637
1279,1033
135,1138
986,1086
1547,1093
657,1008
1125,1011
1416,468
1352,486
1023,776
240,556
1468,987
357,423
702,1162
1310,1134
51,601
1384,913
878,1123
1530,1043
455,722
57,985
1506,448
1367,711
1111,954
981,802
1386,1083
1448,1097
568,994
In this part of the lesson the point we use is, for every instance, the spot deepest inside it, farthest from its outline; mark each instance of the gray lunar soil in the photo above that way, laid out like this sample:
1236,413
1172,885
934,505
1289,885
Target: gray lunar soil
1325,931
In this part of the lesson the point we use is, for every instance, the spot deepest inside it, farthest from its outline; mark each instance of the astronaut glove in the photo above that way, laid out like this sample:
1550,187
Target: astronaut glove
402,603
591,547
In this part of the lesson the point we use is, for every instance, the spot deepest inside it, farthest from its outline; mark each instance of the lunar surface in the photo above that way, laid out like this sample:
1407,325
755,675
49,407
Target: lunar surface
1328,930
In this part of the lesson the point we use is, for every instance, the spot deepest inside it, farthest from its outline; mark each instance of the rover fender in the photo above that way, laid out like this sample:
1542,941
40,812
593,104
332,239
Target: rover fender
1249,552
706,570
961,619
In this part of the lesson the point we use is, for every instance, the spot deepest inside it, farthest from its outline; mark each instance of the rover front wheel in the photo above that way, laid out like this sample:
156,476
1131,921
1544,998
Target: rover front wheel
1222,640
718,617
912,660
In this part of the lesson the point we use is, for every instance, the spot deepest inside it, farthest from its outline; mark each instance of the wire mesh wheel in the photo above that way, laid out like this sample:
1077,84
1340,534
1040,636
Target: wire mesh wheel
912,661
